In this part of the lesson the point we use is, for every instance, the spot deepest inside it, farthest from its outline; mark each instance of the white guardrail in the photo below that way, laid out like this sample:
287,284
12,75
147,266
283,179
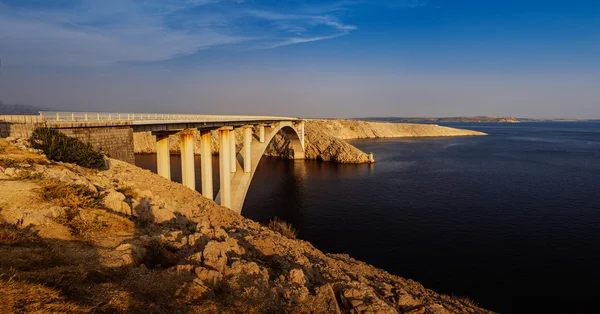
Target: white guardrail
57,116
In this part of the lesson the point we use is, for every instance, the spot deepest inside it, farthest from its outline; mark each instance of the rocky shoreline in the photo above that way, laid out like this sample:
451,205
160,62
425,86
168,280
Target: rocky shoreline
141,243
325,140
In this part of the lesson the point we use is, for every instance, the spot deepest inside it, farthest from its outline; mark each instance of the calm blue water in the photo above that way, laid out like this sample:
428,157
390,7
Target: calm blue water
507,220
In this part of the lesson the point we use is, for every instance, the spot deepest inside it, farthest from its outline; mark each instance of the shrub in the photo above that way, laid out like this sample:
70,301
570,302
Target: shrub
7,162
283,227
60,147
15,234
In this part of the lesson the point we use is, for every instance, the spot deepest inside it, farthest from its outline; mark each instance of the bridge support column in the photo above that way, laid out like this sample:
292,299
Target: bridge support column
301,133
247,149
187,160
224,167
206,164
232,151
163,162
261,133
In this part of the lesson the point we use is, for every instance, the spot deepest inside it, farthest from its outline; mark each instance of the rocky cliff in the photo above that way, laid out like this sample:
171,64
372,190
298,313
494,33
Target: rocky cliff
324,139
126,240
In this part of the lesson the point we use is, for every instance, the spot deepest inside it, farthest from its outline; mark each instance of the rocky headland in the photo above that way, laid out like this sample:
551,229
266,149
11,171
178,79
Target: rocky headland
470,119
126,240
325,140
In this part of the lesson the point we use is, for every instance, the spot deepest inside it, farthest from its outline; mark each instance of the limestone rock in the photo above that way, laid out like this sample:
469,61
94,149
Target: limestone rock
175,239
11,172
265,245
405,299
208,276
249,268
325,300
360,298
58,211
161,214
297,277
116,201
215,253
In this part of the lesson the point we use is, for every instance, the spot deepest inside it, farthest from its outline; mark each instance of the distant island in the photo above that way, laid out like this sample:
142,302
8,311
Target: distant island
442,120
18,109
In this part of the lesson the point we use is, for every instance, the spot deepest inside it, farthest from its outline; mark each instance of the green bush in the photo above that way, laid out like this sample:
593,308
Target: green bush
60,147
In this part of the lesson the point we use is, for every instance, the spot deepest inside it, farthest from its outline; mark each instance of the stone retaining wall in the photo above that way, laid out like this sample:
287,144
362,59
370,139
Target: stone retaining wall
116,142
20,126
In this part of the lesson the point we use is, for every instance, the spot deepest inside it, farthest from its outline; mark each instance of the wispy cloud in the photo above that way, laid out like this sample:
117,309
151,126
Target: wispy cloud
100,32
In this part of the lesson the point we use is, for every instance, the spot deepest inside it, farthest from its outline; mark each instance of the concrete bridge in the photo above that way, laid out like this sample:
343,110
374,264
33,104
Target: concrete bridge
113,133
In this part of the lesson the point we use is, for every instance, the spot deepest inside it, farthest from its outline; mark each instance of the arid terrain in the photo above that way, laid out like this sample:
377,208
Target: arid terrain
124,240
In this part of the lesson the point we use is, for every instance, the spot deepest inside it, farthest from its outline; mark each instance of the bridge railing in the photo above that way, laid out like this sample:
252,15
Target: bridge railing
57,116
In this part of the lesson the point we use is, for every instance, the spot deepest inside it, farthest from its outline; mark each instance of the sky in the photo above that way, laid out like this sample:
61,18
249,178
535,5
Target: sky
306,58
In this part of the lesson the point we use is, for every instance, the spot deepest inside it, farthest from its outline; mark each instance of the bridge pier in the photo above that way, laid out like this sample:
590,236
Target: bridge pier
224,167
163,162
188,176
300,128
206,164
233,155
247,149
261,133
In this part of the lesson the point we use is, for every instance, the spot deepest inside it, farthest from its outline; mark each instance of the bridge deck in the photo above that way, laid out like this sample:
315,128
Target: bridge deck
116,118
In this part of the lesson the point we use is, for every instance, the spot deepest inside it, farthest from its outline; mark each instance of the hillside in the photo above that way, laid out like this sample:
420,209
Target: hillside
126,240
18,109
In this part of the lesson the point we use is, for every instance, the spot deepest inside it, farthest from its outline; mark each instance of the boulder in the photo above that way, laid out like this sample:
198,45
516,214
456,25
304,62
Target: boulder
250,268
11,172
297,277
116,201
215,253
161,214
325,300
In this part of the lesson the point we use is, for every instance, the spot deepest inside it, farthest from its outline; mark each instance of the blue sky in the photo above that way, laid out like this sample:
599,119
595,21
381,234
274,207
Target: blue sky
306,58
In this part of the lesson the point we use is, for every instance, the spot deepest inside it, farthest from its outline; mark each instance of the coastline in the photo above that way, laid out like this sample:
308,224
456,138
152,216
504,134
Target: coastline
325,139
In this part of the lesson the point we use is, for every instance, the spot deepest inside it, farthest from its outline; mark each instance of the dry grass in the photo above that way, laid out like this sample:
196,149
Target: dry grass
29,175
7,162
466,301
13,156
69,195
25,297
14,234
76,198
284,228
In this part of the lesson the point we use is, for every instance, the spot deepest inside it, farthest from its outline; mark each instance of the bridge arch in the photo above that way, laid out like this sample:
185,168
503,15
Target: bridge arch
241,180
